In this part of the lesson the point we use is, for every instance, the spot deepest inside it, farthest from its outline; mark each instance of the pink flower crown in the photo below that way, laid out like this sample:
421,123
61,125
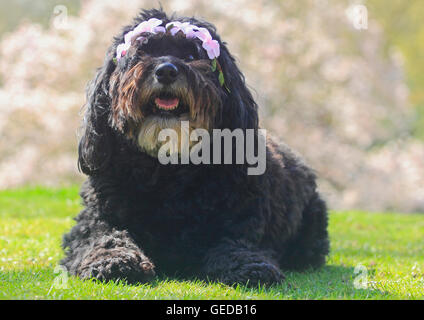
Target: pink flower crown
154,26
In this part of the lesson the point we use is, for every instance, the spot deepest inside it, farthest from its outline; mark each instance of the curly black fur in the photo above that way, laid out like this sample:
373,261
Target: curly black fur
206,221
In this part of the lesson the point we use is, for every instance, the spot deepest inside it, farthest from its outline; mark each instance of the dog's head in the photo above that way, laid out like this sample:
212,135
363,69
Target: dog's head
155,78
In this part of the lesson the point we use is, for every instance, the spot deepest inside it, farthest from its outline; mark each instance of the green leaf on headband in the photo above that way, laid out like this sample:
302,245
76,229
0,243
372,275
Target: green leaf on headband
115,60
214,65
221,78
169,27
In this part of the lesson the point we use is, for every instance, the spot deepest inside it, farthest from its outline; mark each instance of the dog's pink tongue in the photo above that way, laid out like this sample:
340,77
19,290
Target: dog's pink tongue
167,104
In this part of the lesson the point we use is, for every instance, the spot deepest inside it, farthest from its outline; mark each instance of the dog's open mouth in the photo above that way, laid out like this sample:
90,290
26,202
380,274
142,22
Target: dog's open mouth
168,105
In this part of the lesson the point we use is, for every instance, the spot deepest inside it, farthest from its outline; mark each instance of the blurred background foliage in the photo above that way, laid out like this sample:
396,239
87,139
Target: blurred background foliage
401,20
14,12
403,24
351,101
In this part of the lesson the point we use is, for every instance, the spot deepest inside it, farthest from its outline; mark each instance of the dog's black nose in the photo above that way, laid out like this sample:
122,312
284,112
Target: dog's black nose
166,73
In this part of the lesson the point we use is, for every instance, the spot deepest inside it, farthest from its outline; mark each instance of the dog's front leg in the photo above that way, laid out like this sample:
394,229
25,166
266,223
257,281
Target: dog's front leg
238,262
115,257
106,254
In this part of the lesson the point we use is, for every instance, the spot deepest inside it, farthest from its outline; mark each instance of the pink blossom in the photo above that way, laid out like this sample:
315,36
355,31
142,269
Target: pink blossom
129,37
148,26
211,46
176,27
159,29
203,34
190,31
185,27
122,49
152,26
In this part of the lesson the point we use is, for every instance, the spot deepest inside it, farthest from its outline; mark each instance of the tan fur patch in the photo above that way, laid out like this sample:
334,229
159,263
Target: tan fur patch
148,136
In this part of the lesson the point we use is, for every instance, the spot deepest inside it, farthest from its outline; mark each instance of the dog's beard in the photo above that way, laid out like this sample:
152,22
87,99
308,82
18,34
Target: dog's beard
148,135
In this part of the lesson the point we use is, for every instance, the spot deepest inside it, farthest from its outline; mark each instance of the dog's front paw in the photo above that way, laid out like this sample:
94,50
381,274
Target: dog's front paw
253,274
117,263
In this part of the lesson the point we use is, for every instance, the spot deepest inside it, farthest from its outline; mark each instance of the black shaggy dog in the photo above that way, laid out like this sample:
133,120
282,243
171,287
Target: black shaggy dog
207,221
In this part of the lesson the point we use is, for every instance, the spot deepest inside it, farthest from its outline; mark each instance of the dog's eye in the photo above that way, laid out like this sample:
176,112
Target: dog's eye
190,57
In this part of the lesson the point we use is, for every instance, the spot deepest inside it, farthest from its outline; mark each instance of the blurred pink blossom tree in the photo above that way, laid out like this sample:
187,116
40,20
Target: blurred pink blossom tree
332,92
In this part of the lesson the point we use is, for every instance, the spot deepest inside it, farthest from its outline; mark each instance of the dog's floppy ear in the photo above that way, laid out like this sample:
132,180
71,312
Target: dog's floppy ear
95,145
240,109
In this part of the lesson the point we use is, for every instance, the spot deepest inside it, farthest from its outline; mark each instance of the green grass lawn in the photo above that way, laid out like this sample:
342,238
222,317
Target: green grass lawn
389,247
